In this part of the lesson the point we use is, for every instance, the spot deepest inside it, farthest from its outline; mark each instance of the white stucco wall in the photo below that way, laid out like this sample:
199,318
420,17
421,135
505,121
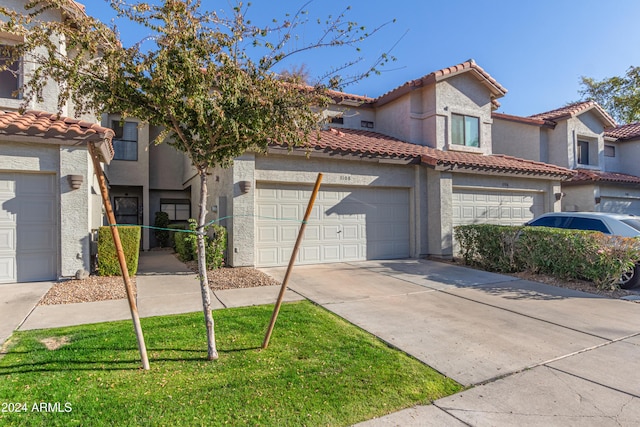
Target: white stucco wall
580,198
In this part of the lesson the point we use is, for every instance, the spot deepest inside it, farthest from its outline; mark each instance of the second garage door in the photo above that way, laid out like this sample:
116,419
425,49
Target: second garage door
496,207
347,224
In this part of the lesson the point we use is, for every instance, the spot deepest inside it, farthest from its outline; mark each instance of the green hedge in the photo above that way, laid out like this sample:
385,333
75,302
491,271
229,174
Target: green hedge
108,264
215,245
566,254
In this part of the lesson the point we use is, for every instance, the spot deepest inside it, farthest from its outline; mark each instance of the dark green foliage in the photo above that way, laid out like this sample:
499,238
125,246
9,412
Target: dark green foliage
108,264
216,245
162,236
566,254
172,234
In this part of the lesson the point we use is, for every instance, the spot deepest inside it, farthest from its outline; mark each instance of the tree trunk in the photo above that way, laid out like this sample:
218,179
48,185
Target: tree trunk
212,353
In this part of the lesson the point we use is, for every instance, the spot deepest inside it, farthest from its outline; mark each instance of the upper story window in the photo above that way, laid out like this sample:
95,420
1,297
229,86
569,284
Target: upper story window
583,152
609,151
465,130
125,142
9,78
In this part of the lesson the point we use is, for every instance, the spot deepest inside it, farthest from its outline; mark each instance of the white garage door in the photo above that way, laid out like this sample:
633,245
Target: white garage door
629,206
495,207
346,224
28,227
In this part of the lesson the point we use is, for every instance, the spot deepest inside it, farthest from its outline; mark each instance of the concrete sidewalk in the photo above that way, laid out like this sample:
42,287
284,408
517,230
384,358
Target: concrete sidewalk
165,286
534,354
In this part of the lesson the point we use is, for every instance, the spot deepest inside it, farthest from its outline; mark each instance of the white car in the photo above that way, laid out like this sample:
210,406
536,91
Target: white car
607,223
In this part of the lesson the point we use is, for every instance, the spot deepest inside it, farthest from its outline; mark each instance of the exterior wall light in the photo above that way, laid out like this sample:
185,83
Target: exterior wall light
245,186
75,181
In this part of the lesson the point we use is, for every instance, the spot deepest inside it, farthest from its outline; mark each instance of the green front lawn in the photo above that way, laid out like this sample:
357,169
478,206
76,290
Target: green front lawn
318,370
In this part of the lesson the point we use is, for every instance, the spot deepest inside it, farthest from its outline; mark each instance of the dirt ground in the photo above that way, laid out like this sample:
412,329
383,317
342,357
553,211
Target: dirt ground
98,288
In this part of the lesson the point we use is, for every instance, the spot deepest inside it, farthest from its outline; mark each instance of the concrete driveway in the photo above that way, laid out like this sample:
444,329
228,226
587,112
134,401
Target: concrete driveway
534,354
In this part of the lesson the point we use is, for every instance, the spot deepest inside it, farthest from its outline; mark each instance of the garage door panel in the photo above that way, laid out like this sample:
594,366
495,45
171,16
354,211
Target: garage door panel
288,234
346,220
7,239
7,268
627,205
28,227
37,239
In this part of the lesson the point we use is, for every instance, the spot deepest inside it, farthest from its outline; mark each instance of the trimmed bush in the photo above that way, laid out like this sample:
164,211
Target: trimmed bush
108,264
566,254
215,245
172,234
162,236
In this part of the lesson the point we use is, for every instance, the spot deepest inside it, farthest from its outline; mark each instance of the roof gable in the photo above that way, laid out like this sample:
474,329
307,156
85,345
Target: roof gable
576,109
496,89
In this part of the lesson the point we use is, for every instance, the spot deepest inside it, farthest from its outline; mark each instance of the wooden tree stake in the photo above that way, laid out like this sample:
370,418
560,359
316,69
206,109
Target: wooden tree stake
123,262
283,288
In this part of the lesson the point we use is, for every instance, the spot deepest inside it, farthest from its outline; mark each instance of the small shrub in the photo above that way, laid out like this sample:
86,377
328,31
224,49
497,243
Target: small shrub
162,236
215,245
108,264
172,239
488,246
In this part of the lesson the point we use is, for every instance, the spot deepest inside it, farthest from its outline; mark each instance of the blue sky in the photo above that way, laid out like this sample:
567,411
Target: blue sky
536,49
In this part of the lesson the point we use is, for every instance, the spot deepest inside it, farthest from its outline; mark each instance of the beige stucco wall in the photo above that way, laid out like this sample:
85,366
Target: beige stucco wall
626,160
580,198
518,140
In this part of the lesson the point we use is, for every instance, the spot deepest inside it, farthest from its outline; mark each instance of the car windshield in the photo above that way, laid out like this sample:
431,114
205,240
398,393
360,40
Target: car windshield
635,223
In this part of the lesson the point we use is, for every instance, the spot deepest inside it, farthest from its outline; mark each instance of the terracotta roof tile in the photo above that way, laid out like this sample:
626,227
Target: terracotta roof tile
526,120
444,73
50,126
585,175
622,132
367,142
573,110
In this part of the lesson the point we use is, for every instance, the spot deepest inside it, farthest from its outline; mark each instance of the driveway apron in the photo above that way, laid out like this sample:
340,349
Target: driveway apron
545,355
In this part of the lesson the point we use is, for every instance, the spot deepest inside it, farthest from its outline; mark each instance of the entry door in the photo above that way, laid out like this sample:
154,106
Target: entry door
126,210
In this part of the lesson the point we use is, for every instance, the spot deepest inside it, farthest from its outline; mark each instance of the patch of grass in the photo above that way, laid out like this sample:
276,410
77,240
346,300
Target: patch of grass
318,370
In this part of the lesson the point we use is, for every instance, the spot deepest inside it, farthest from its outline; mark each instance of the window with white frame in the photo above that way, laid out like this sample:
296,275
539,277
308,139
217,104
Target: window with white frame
465,130
177,209
125,142
10,74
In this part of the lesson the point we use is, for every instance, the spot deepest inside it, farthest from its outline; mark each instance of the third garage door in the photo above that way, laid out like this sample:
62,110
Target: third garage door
347,224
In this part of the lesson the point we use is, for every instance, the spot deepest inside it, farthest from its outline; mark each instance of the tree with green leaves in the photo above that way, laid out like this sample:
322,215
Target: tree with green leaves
206,78
619,96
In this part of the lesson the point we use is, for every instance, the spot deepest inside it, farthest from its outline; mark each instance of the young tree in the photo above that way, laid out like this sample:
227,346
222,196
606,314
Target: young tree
619,96
205,78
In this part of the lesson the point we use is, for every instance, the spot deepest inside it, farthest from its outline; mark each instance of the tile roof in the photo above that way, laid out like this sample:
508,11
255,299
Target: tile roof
367,142
468,66
519,119
58,129
586,175
573,110
622,132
